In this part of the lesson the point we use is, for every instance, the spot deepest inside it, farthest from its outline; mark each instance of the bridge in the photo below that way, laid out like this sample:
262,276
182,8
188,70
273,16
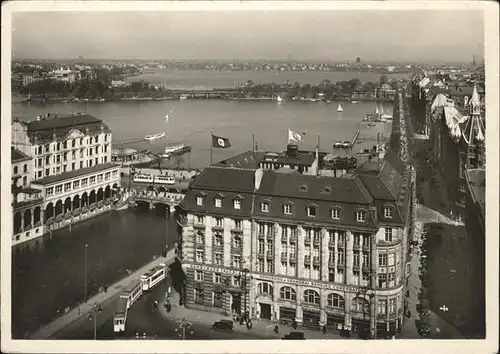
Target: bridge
156,200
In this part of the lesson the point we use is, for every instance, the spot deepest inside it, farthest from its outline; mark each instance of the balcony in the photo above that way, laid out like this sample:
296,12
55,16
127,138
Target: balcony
316,261
355,268
261,235
331,243
284,257
260,253
366,247
340,266
218,227
270,236
316,241
307,241
340,245
356,247
365,269
270,255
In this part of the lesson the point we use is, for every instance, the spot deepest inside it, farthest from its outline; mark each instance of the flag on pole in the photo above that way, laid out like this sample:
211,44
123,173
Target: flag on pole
294,136
220,142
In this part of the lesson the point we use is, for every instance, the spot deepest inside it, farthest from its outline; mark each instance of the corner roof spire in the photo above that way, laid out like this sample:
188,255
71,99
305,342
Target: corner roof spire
475,96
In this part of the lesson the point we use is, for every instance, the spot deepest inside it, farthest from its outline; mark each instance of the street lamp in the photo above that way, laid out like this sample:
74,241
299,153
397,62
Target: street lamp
96,309
86,252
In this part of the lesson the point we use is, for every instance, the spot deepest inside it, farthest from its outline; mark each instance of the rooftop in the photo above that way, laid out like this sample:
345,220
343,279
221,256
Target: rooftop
17,155
61,122
72,174
248,159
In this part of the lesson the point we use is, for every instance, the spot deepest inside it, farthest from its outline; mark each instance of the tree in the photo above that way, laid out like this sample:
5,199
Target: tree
383,79
358,60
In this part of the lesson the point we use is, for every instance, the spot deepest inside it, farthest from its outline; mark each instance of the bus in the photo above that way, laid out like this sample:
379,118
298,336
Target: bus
155,276
120,315
132,293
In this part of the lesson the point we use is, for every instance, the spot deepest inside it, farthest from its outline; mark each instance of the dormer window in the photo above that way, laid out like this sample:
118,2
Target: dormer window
361,216
312,211
287,209
303,188
199,200
264,207
335,213
388,212
218,202
327,189
237,204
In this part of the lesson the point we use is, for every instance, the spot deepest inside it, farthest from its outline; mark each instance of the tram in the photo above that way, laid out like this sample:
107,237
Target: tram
120,315
155,276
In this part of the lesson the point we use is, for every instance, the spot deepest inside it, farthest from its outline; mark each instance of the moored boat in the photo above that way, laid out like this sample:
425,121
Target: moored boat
177,149
152,137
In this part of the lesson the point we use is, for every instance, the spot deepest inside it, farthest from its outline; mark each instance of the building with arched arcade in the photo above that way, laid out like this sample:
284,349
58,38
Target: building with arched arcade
63,172
311,249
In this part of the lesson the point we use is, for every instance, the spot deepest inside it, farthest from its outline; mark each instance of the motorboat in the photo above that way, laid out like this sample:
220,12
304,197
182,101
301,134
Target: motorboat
177,149
152,137
279,99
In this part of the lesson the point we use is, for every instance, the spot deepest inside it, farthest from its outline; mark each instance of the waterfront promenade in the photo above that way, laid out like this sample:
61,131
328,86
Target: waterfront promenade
103,298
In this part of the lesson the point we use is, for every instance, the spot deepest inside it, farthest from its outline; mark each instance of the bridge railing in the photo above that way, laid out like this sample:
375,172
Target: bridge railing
170,197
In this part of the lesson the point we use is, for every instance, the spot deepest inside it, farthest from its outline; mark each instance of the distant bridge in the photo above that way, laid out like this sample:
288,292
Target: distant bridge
153,199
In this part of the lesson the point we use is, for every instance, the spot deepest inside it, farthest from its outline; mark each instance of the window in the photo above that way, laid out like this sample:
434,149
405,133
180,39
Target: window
288,293
335,300
217,299
198,296
218,239
238,224
382,280
200,219
391,259
261,266
388,234
218,258
360,305
200,236
84,182
356,259
265,288
331,257
382,260
261,247
237,204
200,256
366,260
237,242
366,277
287,209
92,179
382,307
270,267
392,306
312,211
388,213
219,222
99,177
76,184
217,278
50,191
264,207
236,281
311,297
218,202
340,257
335,213
67,186
357,239
25,168
107,175
237,261
360,216
199,275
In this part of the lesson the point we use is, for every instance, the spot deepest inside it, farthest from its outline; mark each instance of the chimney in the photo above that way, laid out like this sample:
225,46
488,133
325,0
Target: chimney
54,134
258,178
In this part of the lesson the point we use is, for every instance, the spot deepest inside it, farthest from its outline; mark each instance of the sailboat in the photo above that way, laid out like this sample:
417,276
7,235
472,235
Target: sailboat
339,108
279,99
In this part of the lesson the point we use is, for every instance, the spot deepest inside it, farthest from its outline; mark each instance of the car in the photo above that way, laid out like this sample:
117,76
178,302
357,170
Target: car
223,325
295,336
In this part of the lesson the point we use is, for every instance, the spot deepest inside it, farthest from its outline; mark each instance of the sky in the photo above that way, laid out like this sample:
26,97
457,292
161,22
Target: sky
333,35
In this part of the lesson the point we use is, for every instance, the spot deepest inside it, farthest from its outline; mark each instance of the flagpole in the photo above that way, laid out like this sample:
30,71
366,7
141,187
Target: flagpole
211,144
253,142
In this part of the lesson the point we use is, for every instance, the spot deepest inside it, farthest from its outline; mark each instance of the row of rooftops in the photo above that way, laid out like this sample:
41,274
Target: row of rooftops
370,191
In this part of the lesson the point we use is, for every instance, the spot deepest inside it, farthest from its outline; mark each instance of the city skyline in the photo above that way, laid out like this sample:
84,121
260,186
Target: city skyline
280,35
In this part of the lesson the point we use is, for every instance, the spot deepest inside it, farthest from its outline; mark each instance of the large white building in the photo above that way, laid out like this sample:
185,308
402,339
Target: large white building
69,165
284,245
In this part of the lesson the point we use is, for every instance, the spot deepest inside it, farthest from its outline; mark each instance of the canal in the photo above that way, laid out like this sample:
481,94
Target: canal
48,274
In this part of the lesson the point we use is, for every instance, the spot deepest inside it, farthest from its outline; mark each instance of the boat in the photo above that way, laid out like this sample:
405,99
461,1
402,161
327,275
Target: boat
167,118
387,117
279,99
152,137
354,101
183,98
177,149
337,145
346,144
339,108
123,202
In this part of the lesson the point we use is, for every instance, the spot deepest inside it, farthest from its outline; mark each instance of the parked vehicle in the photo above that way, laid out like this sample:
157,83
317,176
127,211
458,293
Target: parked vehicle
295,336
223,326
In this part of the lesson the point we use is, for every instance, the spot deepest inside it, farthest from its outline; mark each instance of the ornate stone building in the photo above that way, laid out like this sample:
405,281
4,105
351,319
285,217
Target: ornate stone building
320,251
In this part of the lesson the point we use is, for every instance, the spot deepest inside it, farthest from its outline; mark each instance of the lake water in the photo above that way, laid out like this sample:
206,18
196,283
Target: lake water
192,120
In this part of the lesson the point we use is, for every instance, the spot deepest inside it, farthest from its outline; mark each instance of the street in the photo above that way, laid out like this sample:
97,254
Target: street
142,319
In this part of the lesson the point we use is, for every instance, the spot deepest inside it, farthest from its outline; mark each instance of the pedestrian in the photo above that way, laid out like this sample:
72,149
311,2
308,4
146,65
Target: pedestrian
276,329
79,312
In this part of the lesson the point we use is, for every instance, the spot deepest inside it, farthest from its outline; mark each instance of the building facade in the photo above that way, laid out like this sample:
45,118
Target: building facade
286,246
67,167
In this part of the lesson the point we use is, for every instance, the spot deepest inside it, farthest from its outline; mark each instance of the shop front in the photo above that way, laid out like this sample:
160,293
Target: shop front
361,327
311,318
334,320
287,314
